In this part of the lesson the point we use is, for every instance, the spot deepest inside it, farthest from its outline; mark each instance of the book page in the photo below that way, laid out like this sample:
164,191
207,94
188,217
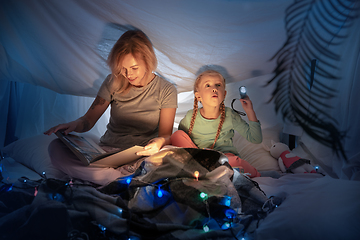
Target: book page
118,159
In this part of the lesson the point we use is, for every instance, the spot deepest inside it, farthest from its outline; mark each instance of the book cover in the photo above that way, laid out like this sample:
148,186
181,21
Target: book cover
90,153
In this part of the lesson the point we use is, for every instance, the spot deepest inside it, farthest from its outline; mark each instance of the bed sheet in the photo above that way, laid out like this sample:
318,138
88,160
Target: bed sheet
12,170
135,208
315,207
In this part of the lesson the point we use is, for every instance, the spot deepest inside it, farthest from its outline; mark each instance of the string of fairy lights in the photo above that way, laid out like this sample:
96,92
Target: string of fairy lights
159,191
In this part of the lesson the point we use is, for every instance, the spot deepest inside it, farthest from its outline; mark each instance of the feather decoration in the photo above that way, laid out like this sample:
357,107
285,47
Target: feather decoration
315,30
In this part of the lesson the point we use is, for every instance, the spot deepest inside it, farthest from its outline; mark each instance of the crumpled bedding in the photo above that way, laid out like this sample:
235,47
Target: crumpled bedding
162,199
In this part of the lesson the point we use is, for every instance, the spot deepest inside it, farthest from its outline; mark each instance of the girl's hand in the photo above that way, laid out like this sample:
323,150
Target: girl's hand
248,108
152,147
65,127
246,104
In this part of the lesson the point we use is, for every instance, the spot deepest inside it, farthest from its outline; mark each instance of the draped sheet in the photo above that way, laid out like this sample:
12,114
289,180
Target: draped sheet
52,59
61,45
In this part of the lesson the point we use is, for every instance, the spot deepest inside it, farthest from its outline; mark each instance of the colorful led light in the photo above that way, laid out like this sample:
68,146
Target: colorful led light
203,195
206,228
196,174
230,213
159,192
128,180
227,201
102,228
225,226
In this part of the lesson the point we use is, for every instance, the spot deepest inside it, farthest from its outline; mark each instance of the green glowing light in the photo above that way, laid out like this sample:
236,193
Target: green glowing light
203,195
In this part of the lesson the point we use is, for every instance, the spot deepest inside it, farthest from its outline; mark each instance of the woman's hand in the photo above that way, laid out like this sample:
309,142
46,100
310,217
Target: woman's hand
167,116
84,123
152,147
65,127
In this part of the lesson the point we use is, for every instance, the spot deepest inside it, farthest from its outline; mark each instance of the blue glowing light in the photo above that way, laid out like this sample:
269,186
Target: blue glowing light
56,196
225,226
6,187
230,213
206,228
128,180
120,211
227,201
102,228
159,193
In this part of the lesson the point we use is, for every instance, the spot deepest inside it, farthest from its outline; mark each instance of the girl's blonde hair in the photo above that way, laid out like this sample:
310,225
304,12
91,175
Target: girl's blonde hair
222,105
136,43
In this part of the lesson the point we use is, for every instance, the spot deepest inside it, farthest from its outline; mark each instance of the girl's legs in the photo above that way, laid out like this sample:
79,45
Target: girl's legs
181,139
235,161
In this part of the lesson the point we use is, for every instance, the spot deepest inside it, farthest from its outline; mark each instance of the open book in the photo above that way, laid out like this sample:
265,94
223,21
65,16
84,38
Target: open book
89,153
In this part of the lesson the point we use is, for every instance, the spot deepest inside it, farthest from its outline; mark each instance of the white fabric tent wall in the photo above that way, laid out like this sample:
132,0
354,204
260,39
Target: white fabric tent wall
55,51
345,111
62,45
52,41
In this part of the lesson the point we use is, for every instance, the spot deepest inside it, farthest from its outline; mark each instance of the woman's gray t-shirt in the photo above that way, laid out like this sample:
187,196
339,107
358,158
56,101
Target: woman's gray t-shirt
135,115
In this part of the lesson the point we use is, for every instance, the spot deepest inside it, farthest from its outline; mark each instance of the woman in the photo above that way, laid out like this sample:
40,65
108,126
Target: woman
143,107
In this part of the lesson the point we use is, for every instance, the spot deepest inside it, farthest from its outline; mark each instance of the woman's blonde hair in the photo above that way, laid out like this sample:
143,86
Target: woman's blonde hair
195,109
136,43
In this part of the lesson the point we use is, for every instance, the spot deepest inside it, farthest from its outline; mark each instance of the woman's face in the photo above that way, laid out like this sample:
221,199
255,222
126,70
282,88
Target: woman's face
211,90
134,70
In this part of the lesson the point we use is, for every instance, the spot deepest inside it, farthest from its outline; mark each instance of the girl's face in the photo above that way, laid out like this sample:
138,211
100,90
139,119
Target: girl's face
211,91
134,70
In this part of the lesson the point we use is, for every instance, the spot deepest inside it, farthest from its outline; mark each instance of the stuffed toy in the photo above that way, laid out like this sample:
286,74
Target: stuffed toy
289,162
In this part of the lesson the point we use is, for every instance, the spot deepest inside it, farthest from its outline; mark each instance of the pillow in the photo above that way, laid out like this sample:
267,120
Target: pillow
301,150
322,208
33,153
255,154
12,171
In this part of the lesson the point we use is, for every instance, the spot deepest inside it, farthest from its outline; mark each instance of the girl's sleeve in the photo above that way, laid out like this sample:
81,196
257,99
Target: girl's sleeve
251,131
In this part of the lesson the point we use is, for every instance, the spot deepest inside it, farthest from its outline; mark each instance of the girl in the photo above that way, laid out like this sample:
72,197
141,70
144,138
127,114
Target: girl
212,126
142,112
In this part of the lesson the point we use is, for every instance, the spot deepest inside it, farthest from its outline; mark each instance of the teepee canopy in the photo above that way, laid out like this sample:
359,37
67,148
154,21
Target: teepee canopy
53,61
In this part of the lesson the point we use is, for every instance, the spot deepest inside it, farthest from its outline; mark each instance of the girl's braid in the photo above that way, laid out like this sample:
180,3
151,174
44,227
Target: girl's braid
195,110
222,119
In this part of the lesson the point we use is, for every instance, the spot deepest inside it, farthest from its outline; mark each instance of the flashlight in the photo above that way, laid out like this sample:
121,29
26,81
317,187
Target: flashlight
242,91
